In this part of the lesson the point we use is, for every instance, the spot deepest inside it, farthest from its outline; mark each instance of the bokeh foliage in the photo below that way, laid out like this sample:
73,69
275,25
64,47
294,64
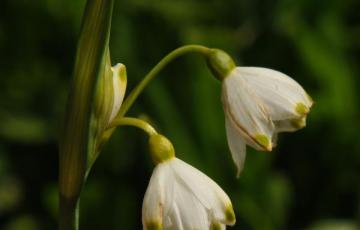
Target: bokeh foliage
310,181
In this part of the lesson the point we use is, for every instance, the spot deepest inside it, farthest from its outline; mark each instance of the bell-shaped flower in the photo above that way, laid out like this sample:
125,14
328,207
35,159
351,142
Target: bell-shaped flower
259,103
180,197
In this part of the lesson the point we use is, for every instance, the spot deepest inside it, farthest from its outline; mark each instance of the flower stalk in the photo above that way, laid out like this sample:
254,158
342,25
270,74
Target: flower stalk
158,68
129,121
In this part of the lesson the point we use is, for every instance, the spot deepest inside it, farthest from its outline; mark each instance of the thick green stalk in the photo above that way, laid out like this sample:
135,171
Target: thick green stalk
69,214
75,143
155,71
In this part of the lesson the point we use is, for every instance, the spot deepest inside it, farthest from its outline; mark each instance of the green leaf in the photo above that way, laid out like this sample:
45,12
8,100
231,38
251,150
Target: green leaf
76,142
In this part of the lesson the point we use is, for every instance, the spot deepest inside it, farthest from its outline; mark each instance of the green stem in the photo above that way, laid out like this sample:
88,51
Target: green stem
129,121
69,213
160,66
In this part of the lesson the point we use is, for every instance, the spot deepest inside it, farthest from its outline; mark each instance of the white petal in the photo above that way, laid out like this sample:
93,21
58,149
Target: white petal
237,146
246,110
206,191
174,219
279,93
119,83
158,196
192,213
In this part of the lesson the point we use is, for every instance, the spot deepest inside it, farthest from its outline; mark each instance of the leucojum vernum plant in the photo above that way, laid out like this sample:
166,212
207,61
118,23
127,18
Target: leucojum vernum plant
258,103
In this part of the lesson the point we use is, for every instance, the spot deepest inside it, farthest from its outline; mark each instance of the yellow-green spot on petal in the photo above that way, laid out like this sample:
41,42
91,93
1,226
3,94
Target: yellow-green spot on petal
122,74
215,226
301,109
298,123
154,225
264,141
229,215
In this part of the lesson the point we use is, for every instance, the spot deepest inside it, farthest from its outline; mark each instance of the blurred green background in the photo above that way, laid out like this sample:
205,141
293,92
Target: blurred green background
310,181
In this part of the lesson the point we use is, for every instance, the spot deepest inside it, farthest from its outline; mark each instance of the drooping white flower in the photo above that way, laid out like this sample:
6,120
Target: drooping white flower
259,103
180,197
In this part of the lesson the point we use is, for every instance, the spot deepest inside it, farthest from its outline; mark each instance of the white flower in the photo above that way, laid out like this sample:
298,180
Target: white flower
258,103
180,197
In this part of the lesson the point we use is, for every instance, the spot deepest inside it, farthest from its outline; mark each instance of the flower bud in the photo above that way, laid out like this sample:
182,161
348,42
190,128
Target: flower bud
119,87
110,94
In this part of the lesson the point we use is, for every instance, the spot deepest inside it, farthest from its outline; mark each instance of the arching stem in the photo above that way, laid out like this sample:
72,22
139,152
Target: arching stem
155,71
129,121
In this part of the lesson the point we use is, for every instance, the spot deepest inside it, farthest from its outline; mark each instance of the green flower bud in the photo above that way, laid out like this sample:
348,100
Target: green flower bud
110,92
220,63
160,148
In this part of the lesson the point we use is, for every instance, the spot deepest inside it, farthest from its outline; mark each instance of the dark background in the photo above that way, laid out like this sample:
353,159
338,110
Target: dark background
310,181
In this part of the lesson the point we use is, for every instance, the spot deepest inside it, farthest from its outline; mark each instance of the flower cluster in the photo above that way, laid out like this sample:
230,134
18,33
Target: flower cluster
258,104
